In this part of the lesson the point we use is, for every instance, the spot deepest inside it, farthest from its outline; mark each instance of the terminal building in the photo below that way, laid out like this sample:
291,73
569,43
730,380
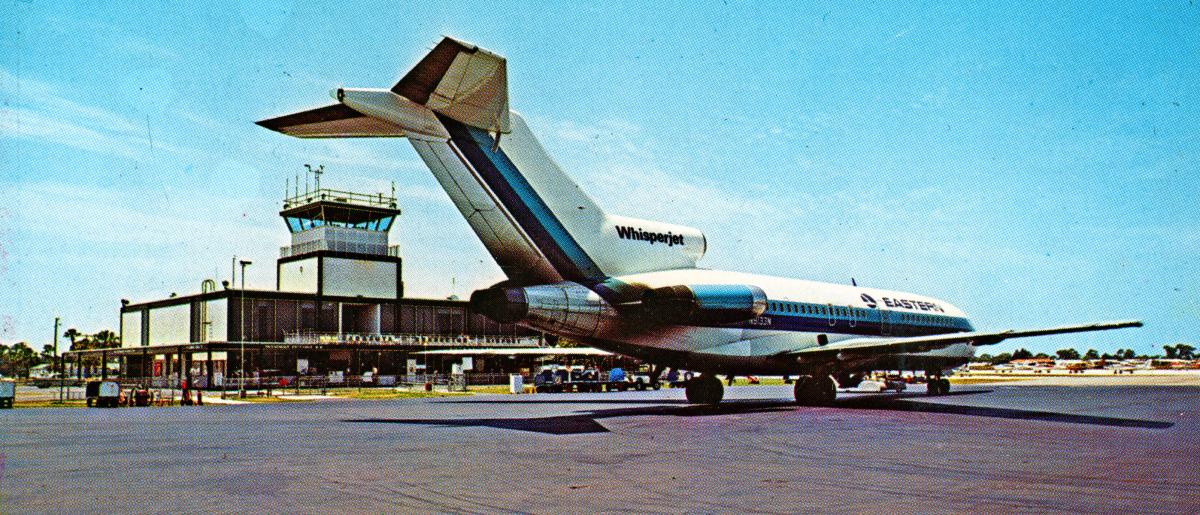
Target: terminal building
338,307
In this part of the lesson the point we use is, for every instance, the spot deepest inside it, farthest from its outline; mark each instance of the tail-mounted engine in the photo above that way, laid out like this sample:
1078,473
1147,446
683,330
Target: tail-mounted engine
704,303
563,308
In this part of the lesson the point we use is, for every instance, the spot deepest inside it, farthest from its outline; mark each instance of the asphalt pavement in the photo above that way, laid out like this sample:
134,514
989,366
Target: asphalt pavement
999,448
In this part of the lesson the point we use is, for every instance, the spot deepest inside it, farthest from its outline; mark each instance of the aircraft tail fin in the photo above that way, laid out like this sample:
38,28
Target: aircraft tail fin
535,220
461,81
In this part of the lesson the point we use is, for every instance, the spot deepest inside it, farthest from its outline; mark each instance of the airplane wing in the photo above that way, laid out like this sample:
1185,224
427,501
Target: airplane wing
858,346
334,121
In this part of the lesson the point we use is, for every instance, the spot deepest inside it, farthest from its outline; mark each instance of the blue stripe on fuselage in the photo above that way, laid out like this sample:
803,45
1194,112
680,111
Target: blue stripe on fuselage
817,323
524,203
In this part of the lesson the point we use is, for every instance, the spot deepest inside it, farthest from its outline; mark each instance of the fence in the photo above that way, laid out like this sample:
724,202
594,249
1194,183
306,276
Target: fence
452,382
412,340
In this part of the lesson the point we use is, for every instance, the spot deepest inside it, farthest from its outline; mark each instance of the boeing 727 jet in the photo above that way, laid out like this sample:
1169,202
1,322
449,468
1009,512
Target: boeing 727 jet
628,285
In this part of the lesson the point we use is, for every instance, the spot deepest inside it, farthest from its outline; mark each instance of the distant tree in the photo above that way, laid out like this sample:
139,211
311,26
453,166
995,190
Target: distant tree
1185,351
1106,356
22,358
983,358
72,334
106,340
1001,358
1041,355
1171,351
1068,354
1129,354
1091,354
1021,354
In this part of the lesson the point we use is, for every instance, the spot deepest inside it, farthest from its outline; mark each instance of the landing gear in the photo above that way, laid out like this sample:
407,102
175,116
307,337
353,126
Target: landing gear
848,380
819,390
706,389
936,384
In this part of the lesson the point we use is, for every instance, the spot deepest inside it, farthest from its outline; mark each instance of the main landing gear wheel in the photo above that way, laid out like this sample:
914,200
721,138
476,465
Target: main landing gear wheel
939,386
706,389
815,391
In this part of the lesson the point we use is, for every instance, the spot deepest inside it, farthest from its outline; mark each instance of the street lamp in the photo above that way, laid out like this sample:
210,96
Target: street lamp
58,360
242,360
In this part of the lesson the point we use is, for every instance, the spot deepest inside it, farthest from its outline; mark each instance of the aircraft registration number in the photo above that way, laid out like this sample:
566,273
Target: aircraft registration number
760,321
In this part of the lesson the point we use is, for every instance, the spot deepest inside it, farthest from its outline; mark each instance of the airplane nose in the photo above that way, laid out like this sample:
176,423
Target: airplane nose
338,94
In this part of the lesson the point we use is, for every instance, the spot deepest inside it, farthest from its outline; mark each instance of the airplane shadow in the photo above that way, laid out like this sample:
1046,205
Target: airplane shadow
588,421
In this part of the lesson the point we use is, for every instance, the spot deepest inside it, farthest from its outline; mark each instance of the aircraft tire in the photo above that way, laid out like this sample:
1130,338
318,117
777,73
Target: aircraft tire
944,385
706,389
815,391
934,387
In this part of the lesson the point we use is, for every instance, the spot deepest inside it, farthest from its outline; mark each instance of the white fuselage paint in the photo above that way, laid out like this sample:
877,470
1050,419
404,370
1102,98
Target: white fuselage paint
760,345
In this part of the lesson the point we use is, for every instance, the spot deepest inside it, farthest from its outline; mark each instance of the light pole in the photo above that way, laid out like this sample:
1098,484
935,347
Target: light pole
58,361
242,360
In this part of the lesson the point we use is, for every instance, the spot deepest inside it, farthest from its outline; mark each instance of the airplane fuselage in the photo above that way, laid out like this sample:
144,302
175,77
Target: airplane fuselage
797,314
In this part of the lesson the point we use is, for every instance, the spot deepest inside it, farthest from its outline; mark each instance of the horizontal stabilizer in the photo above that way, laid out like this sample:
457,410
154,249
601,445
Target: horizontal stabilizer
934,342
335,121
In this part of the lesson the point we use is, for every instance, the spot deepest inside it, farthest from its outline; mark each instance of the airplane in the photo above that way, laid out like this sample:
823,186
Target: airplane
628,285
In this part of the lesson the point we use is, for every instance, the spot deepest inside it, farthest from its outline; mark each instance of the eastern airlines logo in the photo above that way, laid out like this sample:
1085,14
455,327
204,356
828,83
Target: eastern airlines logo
632,233
902,303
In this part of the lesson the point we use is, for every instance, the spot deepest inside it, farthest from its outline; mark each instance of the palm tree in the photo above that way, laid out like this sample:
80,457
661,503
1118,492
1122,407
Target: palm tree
106,339
71,334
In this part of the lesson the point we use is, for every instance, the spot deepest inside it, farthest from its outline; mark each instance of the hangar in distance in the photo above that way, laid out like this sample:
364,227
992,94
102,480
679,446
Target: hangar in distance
628,285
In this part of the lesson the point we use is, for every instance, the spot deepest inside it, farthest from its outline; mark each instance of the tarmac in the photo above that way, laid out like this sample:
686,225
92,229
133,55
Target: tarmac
1006,447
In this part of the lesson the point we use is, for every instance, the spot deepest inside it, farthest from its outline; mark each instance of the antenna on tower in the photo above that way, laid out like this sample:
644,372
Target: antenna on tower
309,167
320,170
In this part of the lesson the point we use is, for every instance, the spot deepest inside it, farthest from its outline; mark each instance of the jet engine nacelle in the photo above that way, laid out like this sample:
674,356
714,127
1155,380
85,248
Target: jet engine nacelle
704,303
562,308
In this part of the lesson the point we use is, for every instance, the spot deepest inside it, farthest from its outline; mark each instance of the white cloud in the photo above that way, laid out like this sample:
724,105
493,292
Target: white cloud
43,113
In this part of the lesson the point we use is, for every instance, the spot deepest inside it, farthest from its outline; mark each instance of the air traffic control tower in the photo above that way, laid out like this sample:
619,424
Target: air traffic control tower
340,245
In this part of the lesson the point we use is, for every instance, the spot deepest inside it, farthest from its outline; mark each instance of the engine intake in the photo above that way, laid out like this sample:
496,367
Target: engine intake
503,305
704,303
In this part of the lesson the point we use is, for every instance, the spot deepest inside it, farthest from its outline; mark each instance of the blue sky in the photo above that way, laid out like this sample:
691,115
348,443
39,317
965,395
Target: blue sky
1033,165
